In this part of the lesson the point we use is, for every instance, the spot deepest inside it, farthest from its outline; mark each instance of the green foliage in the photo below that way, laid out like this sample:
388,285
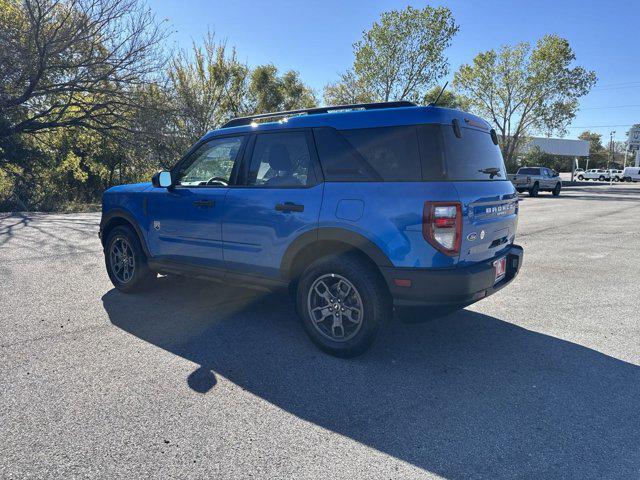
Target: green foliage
598,154
100,109
398,58
449,99
537,158
524,90
269,92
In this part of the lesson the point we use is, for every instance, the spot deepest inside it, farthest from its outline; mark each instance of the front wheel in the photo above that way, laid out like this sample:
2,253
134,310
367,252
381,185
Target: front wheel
342,302
556,190
125,261
580,177
601,178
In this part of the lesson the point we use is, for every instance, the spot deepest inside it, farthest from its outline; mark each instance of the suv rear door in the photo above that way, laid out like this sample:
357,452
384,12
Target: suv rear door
277,199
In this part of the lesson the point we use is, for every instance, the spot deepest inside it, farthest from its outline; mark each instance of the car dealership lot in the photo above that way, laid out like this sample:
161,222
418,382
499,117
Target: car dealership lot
195,378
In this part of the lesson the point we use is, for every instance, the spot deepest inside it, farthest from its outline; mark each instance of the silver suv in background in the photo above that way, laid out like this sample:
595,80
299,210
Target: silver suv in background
594,174
536,179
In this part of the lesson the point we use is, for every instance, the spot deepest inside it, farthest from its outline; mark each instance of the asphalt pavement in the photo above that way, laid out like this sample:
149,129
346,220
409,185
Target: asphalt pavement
201,380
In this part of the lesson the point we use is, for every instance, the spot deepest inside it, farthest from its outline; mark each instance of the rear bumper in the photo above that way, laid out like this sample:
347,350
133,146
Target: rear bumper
451,287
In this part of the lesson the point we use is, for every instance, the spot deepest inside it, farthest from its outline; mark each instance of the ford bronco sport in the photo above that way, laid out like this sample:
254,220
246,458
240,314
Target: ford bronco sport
358,209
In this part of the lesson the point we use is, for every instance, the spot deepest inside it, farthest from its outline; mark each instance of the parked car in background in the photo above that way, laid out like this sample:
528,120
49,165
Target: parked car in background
594,174
615,175
631,174
356,209
536,179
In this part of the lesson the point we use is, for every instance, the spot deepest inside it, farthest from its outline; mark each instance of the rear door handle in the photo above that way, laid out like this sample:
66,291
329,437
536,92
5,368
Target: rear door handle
289,207
204,203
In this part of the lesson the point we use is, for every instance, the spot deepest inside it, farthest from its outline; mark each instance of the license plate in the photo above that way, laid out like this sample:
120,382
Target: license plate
500,267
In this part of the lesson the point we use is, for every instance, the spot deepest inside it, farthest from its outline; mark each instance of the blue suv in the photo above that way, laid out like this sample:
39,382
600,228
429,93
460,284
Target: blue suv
358,209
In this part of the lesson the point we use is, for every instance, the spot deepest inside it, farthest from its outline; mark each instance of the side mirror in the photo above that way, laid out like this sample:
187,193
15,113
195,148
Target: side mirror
162,180
556,174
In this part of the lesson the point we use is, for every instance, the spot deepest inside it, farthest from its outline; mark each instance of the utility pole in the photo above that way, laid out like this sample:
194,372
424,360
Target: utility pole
611,156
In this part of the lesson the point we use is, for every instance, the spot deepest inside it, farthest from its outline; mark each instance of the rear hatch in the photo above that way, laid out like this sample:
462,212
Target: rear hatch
474,164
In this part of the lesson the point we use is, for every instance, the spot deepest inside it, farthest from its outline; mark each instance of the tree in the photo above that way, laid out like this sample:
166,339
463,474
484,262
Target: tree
598,153
448,99
207,86
399,58
73,63
535,157
524,90
269,92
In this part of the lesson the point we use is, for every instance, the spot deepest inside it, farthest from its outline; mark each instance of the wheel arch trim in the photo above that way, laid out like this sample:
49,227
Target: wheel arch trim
332,234
118,214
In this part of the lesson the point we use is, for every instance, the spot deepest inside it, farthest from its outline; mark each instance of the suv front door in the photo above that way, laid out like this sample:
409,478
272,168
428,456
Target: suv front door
278,198
186,219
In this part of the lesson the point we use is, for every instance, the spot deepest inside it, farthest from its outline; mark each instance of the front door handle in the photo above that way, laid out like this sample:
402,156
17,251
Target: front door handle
289,207
204,203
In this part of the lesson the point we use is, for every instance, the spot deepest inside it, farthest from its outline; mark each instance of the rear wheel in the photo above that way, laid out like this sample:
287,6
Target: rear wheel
125,261
556,190
534,190
601,178
342,302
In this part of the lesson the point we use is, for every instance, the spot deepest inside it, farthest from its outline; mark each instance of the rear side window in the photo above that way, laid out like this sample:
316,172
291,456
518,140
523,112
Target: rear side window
529,171
369,154
474,156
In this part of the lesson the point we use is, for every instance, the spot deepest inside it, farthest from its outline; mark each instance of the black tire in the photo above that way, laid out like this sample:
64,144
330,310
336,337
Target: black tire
370,290
556,190
580,177
534,190
601,178
140,277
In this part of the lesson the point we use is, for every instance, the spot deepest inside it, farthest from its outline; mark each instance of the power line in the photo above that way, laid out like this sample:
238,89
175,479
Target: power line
614,88
614,106
604,126
632,82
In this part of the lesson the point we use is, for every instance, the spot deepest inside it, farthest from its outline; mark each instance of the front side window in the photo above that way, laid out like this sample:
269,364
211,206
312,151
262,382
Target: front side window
212,163
281,160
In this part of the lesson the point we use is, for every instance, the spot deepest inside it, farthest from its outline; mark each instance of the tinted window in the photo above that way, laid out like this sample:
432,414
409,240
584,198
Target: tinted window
529,171
281,160
211,164
472,157
369,154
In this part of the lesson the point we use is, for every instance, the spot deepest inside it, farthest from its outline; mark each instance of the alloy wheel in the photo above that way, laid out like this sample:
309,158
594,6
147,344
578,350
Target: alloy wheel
122,259
335,307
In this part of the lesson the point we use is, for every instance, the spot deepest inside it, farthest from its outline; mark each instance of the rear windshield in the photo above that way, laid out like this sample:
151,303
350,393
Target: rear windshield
529,171
408,154
474,156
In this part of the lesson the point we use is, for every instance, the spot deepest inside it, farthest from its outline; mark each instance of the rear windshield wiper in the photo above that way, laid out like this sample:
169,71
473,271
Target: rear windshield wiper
492,172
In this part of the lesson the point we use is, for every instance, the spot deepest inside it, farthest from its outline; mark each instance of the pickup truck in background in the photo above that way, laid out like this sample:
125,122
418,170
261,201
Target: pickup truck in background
536,179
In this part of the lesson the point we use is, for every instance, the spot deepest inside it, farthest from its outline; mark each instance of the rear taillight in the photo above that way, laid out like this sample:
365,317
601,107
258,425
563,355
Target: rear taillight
442,226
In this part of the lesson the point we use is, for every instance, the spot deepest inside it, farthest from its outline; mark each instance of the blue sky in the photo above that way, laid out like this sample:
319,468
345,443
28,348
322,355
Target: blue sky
315,38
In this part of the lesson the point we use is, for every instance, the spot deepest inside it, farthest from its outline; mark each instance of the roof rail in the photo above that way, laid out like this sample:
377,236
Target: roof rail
236,122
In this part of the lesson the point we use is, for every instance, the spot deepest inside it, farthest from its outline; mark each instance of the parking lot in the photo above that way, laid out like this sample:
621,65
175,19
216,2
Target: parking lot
194,379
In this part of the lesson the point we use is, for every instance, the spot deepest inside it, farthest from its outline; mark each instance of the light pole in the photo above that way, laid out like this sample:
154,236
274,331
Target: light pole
611,156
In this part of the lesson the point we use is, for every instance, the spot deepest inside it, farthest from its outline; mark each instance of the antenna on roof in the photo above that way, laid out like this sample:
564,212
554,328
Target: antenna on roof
433,104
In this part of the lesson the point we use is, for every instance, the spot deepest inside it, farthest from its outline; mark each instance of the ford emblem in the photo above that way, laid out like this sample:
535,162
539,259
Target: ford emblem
472,236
